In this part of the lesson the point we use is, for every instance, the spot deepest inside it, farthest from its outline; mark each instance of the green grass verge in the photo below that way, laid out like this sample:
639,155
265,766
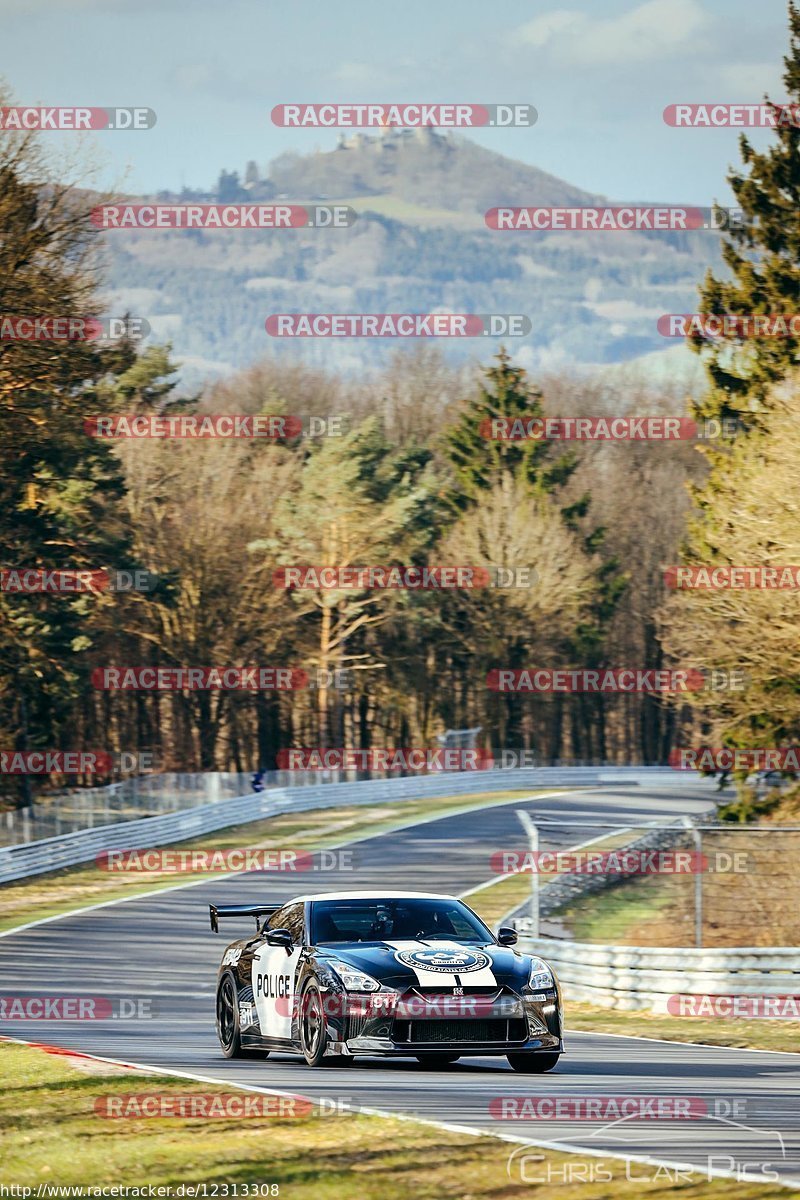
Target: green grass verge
754,906
610,916
50,1134
498,899
493,902
752,1035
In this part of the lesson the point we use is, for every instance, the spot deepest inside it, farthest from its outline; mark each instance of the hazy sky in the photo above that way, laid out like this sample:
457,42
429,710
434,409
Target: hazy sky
599,72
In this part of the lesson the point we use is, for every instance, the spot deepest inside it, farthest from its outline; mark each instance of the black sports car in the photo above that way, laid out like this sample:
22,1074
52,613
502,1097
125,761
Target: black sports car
408,974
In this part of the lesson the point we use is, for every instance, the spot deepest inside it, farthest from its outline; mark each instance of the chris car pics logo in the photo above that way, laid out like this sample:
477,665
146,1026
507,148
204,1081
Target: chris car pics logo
459,962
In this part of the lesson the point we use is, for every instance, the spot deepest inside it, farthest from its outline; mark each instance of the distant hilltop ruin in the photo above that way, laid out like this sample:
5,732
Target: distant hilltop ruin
390,138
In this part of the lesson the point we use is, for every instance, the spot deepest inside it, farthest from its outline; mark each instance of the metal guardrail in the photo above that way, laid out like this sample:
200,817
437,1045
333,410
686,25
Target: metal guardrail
159,793
127,800
50,854
639,977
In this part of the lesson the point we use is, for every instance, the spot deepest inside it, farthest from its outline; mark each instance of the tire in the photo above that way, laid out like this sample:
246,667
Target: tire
533,1062
436,1058
313,1035
228,1028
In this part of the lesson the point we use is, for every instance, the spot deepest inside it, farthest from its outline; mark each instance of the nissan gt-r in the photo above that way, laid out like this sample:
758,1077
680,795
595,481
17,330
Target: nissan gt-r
399,974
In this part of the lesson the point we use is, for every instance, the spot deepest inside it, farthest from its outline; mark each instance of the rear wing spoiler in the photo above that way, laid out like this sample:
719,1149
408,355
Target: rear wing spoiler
240,910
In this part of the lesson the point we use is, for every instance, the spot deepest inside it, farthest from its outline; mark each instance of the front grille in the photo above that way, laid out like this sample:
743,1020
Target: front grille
434,993
430,1032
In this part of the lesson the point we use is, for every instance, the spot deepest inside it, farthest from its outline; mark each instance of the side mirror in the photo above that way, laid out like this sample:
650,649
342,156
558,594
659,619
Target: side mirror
280,937
506,937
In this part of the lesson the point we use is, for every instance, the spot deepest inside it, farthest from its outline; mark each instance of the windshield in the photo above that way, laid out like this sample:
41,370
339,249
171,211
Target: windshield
378,920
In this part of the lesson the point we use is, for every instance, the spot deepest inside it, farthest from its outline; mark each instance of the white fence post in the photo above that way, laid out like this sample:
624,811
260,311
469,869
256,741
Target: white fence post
533,841
697,837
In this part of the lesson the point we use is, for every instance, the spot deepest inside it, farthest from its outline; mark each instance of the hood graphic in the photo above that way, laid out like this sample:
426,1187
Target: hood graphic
443,961
459,961
434,963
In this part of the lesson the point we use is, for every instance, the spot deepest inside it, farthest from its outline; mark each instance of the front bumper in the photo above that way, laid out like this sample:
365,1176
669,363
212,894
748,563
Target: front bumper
501,1023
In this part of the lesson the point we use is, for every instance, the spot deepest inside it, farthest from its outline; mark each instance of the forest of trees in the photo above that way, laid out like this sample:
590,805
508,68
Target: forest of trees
410,480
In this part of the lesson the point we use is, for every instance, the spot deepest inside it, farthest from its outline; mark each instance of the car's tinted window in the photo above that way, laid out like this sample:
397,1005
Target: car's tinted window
289,917
377,920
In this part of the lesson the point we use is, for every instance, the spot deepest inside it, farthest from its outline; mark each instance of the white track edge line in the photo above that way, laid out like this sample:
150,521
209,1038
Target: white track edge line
562,1147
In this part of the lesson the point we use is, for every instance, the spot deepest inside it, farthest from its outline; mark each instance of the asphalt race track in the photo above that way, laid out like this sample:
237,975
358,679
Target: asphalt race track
161,948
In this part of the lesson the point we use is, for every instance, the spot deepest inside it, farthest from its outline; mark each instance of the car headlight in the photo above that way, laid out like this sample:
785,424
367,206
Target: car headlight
541,977
353,979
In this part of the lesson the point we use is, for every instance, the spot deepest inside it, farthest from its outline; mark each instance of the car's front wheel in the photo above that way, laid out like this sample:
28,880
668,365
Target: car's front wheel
314,1040
533,1062
229,1030
436,1059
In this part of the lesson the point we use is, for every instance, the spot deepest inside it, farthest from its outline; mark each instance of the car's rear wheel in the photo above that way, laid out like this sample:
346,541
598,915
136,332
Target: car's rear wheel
533,1062
436,1059
229,1029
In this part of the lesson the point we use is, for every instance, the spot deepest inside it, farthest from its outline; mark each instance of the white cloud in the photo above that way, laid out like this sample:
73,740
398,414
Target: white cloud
622,310
137,300
751,80
194,77
359,74
545,29
165,325
650,31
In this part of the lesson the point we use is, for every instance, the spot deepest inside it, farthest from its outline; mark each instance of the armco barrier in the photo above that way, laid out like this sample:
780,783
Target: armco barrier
639,977
36,858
